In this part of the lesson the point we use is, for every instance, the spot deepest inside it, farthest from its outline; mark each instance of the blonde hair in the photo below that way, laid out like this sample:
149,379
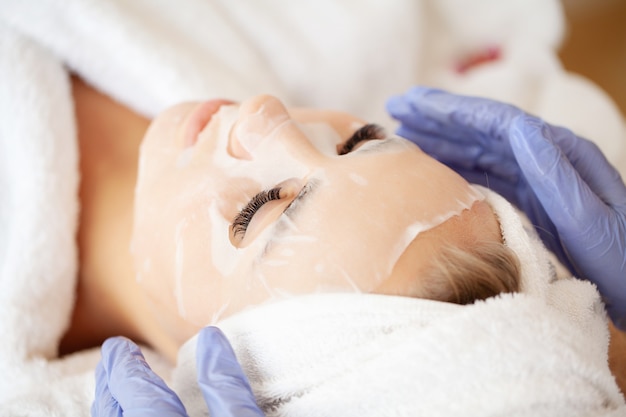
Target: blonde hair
463,275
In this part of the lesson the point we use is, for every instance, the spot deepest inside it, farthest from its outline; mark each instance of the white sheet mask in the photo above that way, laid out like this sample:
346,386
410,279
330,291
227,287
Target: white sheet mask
354,216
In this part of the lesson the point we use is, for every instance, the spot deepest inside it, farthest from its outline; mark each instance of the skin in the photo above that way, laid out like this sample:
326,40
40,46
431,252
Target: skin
110,301
194,180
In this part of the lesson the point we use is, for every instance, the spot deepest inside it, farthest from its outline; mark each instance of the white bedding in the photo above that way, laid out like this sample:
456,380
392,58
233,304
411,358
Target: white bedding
150,54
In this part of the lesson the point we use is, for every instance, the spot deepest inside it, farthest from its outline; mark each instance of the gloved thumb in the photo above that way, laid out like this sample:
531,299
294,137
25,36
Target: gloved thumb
129,381
224,385
585,199
567,199
565,195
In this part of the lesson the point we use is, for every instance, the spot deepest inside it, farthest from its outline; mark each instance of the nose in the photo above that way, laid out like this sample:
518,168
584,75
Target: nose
264,121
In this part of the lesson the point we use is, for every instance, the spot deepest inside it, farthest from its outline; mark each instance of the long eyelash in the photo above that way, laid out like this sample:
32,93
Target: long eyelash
368,132
242,220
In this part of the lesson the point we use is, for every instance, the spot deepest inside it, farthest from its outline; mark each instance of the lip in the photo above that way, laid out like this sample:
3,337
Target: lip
199,117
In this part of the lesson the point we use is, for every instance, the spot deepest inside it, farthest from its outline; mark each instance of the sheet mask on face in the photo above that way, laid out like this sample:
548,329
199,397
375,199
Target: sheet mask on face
333,223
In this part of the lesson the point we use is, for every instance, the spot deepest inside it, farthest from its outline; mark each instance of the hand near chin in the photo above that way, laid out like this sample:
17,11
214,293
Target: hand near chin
127,386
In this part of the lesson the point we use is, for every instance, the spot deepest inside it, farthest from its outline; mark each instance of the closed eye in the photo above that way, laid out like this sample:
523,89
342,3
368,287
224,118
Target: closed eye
242,220
265,208
368,132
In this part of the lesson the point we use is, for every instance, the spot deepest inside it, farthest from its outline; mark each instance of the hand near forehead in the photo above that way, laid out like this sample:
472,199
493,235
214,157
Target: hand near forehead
573,196
127,386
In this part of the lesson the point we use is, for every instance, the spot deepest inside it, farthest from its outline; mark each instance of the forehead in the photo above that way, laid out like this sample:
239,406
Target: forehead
385,190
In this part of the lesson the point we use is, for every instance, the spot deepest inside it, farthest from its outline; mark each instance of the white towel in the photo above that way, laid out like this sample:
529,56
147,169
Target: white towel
150,54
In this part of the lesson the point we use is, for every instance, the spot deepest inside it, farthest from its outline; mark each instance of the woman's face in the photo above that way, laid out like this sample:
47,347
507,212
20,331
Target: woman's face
238,204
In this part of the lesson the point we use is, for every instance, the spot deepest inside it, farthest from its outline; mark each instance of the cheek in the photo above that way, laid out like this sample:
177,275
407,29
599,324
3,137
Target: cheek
165,129
175,274
177,264
182,251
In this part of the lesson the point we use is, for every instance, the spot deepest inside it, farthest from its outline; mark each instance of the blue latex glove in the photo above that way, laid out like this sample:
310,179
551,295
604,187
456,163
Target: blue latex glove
126,386
573,196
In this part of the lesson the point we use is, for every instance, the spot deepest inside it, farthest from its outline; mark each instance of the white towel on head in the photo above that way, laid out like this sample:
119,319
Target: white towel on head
527,354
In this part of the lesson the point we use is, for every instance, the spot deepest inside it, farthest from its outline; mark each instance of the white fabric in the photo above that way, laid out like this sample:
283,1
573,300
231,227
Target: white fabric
150,54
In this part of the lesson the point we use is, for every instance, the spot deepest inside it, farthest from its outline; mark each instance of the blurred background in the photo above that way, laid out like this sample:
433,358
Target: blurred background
595,44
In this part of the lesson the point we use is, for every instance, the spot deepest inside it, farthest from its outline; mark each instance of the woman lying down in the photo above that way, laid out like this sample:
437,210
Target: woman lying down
236,205
240,204
354,274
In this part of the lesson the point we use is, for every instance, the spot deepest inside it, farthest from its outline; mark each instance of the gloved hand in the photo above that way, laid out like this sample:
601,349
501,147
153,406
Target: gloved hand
126,386
573,196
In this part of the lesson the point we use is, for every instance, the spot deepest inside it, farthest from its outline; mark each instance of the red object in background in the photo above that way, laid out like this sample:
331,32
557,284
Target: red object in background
489,54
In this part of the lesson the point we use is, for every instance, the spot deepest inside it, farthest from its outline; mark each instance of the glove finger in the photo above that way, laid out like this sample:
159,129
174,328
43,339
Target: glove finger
454,117
557,183
592,231
461,153
590,163
571,205
405,110
131,381
224,386
414,119
603,247
465,155
104,405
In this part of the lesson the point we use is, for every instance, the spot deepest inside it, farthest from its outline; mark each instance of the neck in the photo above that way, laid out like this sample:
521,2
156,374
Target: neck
109,301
